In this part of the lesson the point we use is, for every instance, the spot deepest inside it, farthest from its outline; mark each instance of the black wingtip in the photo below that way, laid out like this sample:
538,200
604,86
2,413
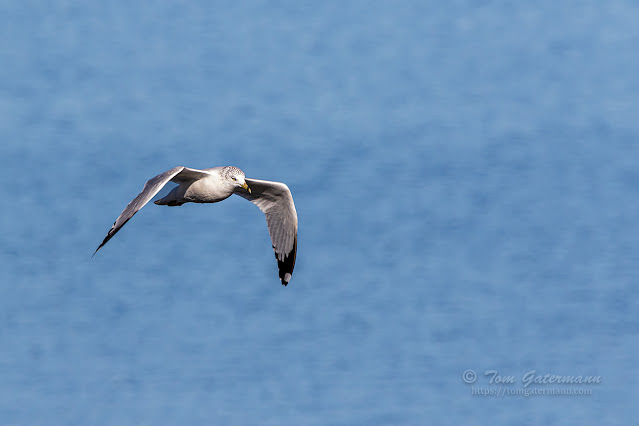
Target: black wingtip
99,247
106,240
287,265
96,250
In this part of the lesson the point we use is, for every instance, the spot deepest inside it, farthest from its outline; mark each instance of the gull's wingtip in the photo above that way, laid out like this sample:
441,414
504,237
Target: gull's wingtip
286,278
101,245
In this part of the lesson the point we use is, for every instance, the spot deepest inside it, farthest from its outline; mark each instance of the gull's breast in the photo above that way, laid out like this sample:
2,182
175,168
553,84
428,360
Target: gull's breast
208,190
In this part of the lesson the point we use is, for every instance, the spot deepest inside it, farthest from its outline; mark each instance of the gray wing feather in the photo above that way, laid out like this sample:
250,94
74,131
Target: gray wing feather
151,188
274,199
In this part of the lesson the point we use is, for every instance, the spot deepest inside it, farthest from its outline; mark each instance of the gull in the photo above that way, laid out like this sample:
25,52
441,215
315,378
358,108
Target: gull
212,185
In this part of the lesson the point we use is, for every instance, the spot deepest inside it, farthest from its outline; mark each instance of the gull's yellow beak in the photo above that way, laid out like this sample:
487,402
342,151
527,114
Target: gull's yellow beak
245,186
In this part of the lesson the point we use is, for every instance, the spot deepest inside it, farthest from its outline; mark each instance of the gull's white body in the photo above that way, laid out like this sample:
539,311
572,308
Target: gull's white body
217,184
203,186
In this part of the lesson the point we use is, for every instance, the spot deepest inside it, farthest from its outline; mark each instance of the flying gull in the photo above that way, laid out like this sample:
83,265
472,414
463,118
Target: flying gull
274,199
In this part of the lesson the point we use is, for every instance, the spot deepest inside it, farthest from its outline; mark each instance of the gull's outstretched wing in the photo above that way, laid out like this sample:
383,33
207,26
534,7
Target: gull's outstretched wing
276,202
151,188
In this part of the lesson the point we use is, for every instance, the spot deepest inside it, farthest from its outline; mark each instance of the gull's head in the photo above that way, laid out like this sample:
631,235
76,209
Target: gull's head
236,177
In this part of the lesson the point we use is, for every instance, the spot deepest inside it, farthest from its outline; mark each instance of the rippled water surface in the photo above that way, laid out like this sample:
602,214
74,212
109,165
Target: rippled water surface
465,176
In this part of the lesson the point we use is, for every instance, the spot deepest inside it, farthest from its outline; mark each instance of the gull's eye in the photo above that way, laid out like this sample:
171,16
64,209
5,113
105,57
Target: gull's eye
233,177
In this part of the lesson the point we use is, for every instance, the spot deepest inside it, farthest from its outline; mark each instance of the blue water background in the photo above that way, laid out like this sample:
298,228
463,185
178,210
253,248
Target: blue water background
465,175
